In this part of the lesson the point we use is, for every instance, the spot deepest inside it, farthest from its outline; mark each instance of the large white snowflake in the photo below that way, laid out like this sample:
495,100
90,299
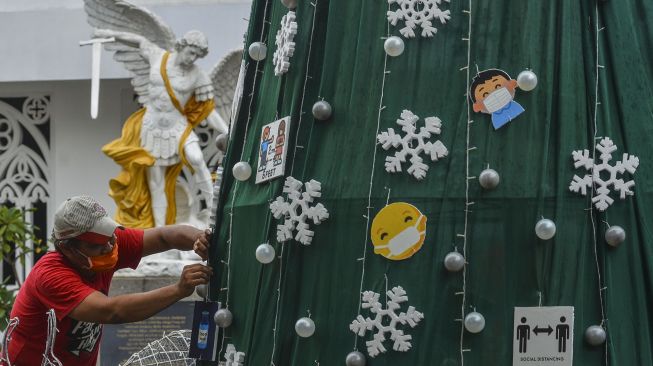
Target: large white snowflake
416,13
233,357
602,198
298,210
361,325
413,143
285,43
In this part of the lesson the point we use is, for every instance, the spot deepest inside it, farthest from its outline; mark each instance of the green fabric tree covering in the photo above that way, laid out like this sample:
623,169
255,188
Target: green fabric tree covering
508,264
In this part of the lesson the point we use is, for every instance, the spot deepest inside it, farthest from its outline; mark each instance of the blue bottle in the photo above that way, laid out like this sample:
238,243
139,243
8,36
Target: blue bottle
203,335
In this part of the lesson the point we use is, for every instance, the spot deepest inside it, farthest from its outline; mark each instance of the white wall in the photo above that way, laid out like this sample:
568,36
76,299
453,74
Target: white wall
40,38
78,165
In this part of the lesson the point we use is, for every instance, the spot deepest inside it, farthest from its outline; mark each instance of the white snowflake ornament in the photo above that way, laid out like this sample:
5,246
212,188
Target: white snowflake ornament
285,43
413,143
602,199
298,210
233,357
418,13
361,325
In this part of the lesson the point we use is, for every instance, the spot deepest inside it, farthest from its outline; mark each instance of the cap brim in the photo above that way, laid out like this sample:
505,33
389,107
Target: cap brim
101,232
105,226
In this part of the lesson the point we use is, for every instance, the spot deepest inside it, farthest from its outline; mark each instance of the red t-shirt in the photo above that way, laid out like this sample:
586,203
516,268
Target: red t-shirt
54,284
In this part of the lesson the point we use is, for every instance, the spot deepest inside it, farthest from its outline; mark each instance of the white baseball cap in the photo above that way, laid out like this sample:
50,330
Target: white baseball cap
83,217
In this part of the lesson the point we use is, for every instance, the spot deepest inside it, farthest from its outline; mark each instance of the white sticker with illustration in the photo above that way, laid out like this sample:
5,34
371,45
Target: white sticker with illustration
273,149
493,92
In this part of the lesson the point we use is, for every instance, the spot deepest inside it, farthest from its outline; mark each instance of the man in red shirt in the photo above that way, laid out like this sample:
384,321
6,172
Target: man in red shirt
74,281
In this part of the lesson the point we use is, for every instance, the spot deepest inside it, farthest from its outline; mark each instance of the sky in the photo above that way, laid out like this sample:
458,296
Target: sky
32,5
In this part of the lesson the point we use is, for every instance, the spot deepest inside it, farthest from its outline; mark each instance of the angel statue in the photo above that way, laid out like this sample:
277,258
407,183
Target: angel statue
159,140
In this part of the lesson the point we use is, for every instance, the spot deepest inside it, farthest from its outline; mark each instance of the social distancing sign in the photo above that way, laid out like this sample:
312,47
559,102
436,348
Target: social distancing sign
543,336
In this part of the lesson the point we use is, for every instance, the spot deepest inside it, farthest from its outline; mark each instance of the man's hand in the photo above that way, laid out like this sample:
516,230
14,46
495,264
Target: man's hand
201,245
193,275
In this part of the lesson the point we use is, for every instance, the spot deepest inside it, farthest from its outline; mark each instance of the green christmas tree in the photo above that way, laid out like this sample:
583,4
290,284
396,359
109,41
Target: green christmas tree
592,62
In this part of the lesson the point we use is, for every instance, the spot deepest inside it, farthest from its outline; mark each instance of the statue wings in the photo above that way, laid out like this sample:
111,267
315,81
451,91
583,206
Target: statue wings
224,77
122,16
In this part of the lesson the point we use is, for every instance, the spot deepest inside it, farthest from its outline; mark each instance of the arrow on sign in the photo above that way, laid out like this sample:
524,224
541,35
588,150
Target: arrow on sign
537,330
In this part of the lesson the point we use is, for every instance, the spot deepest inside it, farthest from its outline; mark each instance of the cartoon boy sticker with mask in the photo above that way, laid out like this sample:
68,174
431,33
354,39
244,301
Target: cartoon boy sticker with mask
492,92
398,231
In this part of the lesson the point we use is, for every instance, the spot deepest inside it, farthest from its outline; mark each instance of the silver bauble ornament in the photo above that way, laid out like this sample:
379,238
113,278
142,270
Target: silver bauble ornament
545,229
394,46
527,80
223,318
200,290
454,262
474,322
595,335
615,235
355,358
305,327
489,178
290,4
221,142
265,253
322,110
257,51
242,171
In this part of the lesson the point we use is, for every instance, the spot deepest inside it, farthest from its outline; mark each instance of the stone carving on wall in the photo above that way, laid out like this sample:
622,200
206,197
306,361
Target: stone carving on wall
25,158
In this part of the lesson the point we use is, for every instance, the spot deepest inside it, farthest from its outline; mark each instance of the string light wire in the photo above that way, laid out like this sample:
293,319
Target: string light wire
598,29
371,184
468,149
242,154
292,168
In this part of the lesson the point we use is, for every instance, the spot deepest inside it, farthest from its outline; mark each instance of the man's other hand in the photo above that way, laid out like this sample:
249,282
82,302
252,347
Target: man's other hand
201,245
193,275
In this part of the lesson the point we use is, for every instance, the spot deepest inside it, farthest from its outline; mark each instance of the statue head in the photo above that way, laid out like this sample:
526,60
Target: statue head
196,39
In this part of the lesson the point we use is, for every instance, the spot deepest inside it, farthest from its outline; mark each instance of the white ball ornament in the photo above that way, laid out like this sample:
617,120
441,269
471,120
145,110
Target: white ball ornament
454,262
322,110
394,46
545,229
527,80
489,178
474,322
200,290
305,327
265,253
290,4
355,358
615,235
223,318
242,171
257,51
221,142
595,335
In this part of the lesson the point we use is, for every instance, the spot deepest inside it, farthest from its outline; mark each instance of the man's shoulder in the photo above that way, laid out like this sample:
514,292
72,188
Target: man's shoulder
129,234
51,261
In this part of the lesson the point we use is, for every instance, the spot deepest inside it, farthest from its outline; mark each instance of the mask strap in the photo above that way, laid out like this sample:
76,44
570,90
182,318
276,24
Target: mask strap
88,259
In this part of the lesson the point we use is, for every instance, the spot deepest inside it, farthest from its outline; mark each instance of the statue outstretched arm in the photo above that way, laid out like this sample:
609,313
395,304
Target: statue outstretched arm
129,39
216,122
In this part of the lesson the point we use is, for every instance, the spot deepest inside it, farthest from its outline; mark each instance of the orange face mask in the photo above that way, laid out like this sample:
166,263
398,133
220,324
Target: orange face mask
104,262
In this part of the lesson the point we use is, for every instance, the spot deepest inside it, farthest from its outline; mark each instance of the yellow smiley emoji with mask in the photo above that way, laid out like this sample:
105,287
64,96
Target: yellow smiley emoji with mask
398,231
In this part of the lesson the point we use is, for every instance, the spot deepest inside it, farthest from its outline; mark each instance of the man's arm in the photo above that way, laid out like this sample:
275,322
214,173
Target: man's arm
182,237
98,308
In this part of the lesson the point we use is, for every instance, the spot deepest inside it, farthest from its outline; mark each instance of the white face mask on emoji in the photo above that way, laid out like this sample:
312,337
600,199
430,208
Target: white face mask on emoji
405,240
497,100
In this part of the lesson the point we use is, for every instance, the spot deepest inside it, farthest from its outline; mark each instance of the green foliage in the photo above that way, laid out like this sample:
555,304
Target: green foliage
15,233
